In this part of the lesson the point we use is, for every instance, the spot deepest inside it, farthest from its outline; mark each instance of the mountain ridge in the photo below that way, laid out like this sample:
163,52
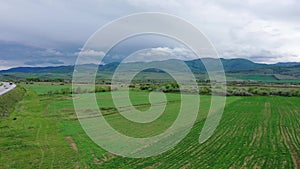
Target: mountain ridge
236,64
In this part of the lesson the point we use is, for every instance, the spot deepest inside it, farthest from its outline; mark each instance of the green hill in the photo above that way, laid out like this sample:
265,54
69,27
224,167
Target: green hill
236,69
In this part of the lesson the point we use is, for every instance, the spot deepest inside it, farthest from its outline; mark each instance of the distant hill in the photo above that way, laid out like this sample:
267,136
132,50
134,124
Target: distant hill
57,69
195,65
236,69
287,64
228,64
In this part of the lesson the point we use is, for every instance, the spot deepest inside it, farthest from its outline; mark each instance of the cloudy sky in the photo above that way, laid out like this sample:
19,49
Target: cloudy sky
51,32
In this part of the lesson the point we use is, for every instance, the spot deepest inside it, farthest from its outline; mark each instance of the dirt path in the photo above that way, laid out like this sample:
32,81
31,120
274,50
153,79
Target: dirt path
72,143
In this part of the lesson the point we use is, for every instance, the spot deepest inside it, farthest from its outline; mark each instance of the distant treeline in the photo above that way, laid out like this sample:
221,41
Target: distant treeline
28,80
231,90
262,91
9,100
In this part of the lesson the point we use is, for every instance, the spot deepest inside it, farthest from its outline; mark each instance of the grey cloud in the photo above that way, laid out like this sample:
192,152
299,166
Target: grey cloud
54,30
14,54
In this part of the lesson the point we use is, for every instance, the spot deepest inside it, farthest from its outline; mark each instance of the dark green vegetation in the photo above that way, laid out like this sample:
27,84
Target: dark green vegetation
254,132
9,100
233,90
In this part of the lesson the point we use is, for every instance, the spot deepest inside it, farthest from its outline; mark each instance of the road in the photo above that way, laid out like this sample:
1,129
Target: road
6,87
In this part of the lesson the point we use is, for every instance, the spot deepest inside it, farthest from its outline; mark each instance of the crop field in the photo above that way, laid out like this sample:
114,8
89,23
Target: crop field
254,132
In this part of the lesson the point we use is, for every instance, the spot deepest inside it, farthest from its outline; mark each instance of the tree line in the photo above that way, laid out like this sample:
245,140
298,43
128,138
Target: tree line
230,91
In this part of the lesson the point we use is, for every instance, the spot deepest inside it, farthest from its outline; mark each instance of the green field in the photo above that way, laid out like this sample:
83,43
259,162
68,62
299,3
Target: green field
44,88
254,132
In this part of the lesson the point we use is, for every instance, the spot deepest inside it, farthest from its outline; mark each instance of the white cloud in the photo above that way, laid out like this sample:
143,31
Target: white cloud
264,38
89,56
91,53
160,54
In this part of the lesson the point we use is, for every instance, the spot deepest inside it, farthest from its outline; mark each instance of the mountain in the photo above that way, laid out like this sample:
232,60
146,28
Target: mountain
287,64
228,64
57,69
241,64
195,65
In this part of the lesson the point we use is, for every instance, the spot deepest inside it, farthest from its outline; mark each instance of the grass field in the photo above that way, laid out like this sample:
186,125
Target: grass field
44,88
254,132
9,100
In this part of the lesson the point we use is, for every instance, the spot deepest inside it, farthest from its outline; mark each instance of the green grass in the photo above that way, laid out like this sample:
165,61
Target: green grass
253,132
44,88
33,139
8,101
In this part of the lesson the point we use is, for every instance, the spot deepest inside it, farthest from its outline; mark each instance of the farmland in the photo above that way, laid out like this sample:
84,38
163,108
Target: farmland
254,132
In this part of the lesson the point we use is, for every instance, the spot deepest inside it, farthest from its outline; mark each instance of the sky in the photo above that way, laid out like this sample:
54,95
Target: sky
52,32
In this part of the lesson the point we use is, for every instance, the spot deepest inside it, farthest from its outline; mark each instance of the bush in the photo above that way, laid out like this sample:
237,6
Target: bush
205,90
102,89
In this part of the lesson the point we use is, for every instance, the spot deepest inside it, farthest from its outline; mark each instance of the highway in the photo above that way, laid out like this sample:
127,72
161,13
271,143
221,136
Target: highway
6,87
